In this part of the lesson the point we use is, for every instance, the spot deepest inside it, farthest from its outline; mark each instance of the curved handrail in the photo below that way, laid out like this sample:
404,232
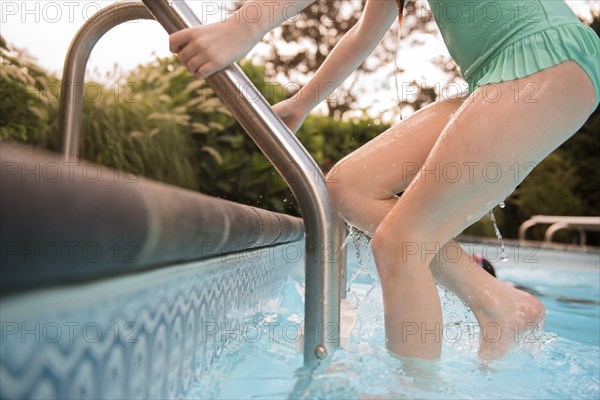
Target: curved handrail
558,222
323,228
71,99
524,227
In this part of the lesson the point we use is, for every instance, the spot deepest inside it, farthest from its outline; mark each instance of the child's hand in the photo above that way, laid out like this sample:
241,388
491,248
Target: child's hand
207,49
291,114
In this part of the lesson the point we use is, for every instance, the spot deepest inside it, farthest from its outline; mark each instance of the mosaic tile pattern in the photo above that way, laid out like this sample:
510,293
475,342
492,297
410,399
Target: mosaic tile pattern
149,335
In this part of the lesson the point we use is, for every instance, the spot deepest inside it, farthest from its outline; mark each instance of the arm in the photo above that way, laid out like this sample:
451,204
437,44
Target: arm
351,51
207,49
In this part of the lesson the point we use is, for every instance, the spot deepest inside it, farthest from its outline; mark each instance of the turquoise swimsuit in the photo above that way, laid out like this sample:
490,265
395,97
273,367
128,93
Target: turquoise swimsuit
502,40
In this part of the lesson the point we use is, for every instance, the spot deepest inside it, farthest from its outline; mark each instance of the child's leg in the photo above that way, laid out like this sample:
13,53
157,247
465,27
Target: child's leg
364,185
490,138
505,314
365,199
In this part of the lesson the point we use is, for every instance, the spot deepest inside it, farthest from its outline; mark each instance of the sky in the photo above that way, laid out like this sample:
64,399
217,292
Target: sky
45,28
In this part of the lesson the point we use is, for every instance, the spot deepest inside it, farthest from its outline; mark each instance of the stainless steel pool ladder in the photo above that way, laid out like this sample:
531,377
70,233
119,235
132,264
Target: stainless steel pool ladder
558,222
325,261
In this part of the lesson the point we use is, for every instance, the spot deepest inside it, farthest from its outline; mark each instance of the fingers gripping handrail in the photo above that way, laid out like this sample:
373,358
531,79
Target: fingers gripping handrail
324,230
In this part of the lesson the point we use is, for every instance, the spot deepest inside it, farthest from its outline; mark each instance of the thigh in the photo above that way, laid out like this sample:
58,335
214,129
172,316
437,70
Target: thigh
385,165
491,143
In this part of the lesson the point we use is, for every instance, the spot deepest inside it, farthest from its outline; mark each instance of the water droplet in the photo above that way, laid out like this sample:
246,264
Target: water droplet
285,200
499,236
502,204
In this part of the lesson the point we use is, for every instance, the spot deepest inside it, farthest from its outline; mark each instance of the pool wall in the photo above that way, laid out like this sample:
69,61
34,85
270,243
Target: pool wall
114,286
73,221
147,335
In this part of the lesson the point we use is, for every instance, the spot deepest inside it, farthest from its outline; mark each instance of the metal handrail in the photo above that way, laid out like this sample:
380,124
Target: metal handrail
558,222
71,99
323,228
551,231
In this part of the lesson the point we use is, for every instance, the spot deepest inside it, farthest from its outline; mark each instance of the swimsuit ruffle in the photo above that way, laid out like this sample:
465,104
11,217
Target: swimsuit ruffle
542,50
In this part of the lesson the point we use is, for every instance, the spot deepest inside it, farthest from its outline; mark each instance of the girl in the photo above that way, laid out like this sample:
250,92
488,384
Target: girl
533,76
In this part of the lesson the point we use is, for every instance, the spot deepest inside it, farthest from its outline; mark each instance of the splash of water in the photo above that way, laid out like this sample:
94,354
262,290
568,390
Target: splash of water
503,256
361,242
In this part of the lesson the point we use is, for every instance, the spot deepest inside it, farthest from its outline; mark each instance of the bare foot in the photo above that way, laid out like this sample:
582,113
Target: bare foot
519,320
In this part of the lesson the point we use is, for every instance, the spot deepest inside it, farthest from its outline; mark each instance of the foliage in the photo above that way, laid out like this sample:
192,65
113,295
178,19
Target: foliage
315,32
161,123
28,98
143,125
244,175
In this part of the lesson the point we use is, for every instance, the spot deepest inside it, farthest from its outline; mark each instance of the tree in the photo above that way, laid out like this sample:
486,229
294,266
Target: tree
310,37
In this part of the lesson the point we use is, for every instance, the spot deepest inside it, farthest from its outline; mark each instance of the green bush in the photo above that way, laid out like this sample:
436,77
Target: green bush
28,100
161,123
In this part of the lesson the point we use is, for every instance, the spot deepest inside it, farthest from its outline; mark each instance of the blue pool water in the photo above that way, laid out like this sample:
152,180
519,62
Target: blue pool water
563,363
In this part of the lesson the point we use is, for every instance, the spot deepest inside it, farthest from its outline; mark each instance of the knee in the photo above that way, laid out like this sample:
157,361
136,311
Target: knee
401,247
378,241
388,247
